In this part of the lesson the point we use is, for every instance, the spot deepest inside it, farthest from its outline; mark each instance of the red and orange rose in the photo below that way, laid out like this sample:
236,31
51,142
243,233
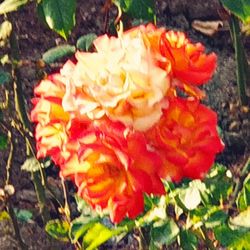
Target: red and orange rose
114,124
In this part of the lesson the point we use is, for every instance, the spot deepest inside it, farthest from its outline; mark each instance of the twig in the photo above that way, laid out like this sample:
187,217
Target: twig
15,225
239,183
66,203
208,242
9,161
10,156
39,183
241,61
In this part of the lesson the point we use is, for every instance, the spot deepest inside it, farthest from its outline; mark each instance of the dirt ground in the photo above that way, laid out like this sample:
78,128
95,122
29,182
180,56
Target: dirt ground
35,38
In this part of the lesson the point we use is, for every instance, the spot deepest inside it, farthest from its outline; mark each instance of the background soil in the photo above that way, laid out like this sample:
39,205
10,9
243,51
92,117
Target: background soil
35,38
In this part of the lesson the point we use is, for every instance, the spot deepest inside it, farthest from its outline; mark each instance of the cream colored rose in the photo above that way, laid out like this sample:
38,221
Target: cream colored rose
120,80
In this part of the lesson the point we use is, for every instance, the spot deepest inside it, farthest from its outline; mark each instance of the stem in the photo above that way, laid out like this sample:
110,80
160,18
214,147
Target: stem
9,161
241,59
143,245
239,183
39,183
208,242
15,225
66,203
19,98
41,197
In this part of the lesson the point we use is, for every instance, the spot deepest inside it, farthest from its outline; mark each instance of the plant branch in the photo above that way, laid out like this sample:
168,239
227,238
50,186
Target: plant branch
15,225
205,237
241,59
39,183
239,183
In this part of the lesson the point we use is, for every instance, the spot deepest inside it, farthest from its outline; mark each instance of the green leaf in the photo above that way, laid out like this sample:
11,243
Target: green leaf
99,234
240,8
5,77
11,5
164,232
243,199
139,9
80,226
85,42
242,219
188,240
23,215
156,212
59,15
58,229
3,142
219,184
191,196
58,53
210,216
215,219
232,239
31,165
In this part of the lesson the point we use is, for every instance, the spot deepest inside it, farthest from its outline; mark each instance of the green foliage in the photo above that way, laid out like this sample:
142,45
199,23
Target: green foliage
191,196
243,199
219,183
210,216
23,215
11,5
59,15
80,226
58,229
188,240
5,77
138,9
240,8
3,141
233,239
163,233
58,53
98,234
85,42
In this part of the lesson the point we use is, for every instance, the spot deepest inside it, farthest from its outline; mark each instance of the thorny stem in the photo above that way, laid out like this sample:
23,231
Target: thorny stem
241,60
15,225
22,114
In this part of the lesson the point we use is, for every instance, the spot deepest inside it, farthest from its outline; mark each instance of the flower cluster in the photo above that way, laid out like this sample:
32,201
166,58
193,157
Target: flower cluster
115,125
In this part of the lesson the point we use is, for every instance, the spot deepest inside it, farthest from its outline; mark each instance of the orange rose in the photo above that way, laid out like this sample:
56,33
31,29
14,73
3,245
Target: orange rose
51,118
186,138
190,65
50,141
113,168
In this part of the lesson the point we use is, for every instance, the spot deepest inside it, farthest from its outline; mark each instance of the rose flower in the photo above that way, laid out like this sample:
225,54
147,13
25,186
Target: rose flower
113,169
191,67
121,80
187,139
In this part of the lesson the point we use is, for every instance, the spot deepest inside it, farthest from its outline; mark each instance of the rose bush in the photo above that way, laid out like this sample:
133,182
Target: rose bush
114,124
